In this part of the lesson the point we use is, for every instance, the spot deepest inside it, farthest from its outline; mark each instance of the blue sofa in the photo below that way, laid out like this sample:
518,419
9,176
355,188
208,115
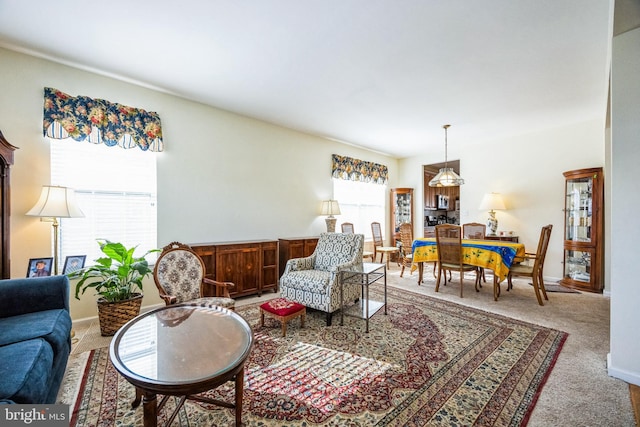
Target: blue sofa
35,338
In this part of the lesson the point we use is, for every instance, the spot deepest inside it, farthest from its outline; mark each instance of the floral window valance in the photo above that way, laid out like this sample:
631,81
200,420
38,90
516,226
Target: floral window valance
358,170
99,121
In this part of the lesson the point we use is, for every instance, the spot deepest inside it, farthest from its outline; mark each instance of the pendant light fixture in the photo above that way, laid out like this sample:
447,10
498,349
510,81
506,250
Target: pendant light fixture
446,177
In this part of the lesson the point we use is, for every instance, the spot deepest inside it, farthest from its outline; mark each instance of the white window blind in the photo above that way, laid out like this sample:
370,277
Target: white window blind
361,203
116,190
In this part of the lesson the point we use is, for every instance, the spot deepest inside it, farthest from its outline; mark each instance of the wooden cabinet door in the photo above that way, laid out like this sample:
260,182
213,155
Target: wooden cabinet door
289,248
239,264
310,246
208,255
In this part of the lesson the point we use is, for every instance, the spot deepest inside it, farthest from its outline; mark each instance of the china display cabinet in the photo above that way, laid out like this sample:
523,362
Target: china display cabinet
401,210
583,230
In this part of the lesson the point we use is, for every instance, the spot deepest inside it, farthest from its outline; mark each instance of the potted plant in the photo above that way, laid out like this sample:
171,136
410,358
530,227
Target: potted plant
117,280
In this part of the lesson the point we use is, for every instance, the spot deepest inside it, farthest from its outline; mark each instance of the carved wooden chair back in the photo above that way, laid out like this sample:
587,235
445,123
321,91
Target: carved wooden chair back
179,275
347,227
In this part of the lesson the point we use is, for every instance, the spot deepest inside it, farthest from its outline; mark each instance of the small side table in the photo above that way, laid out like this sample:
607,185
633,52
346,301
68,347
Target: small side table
371,273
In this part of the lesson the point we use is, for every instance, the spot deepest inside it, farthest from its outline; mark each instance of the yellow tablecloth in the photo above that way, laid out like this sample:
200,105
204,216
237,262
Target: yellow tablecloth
495,255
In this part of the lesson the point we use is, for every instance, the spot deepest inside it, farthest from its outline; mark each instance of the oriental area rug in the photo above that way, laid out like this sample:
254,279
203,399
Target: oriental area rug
427,363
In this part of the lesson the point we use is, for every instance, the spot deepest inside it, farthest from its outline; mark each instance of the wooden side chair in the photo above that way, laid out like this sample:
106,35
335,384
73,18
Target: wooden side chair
534,271
406,250
477,231
347,227
449,243
179,275
378,244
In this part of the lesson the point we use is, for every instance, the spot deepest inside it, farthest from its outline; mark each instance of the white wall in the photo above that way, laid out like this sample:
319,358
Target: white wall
624,356
222,177
527,171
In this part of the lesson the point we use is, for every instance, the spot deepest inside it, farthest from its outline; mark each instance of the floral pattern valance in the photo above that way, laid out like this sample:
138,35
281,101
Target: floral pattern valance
358,170
99,121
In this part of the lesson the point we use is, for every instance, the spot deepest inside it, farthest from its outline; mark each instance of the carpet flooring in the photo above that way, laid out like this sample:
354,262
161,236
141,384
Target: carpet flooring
428,362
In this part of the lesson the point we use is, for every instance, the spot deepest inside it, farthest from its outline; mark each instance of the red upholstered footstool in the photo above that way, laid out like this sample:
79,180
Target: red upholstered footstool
283,310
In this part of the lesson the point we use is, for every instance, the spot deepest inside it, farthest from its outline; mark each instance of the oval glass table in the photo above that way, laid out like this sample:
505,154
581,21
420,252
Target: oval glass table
182,350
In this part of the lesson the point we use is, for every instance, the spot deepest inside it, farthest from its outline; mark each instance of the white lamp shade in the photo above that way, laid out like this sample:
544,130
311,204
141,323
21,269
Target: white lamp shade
56,202
330,207
492,201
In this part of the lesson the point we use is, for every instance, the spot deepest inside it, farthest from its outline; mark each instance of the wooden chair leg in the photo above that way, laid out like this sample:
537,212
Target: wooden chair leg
461,281
438,279
536,288
542,288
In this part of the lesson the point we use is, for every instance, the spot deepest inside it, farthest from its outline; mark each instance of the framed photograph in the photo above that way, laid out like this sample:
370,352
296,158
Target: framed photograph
39,267
73,263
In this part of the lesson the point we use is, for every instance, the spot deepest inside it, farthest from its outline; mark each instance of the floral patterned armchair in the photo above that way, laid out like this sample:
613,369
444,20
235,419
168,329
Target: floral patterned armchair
179,275
313,280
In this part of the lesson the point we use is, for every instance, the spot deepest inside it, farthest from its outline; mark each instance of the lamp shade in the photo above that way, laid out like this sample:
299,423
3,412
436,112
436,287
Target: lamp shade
56,202
492,201
330,207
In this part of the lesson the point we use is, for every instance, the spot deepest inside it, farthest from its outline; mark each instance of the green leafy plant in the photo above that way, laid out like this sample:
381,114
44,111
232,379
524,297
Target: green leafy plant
115,277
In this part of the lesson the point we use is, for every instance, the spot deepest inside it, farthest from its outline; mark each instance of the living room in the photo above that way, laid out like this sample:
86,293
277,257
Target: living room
242,167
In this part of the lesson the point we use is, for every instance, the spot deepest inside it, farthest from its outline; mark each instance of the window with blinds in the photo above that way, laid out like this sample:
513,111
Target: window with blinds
361,203
116,190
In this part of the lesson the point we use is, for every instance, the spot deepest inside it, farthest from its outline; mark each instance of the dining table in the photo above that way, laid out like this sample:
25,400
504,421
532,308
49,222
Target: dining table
497,256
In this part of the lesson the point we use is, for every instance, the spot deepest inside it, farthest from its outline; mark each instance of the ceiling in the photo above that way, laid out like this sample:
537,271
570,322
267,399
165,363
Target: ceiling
380,74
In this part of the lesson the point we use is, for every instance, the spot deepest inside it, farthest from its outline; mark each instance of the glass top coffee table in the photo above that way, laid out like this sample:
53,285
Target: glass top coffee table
182,350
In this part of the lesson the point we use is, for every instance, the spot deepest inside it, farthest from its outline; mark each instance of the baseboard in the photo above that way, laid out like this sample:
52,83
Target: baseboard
626,376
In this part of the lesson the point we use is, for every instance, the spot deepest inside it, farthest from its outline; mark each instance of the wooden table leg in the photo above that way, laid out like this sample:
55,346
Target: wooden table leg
420,271
239,395
150,409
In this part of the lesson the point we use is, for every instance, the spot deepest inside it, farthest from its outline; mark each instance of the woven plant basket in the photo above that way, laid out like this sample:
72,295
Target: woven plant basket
113,315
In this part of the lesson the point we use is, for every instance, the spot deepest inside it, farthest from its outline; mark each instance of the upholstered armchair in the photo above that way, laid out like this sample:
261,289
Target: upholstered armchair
179,275
313,280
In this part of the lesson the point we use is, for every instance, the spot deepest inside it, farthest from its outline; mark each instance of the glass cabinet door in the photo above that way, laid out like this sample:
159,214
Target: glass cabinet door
577,265
579,209
403,210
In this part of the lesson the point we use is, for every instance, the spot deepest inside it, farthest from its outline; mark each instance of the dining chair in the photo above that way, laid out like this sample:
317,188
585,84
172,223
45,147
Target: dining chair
179,275
378,244
534,271
476,231
406,250
449,244
347,227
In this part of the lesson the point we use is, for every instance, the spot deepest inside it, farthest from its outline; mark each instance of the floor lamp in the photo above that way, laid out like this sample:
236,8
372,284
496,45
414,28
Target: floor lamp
56,202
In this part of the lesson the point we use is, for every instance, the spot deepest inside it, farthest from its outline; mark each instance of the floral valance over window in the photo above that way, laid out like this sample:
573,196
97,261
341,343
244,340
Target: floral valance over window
358,170
99,121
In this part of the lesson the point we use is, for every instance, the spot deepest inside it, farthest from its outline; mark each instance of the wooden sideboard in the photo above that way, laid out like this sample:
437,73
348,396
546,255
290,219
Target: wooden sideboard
252,266
294,247
513,239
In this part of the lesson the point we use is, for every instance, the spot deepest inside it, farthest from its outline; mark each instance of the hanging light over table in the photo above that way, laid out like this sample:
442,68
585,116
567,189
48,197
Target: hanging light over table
446,177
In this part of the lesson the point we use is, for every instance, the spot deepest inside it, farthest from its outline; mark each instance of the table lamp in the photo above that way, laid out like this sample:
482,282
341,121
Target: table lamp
56,202
492,201
330,208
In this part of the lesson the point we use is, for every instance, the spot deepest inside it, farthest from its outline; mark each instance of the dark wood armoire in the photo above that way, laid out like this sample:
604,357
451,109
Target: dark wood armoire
6,160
